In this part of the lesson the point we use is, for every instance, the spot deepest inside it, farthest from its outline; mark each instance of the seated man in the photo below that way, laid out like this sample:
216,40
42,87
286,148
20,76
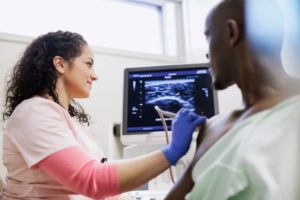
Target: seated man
252,153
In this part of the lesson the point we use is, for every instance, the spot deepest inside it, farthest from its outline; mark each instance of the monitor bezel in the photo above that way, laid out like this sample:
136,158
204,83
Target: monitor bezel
152,137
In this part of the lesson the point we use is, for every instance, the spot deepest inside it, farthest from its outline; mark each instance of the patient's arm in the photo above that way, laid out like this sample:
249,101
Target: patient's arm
182,186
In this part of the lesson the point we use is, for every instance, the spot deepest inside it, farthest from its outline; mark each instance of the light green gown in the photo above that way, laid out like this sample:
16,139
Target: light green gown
259,159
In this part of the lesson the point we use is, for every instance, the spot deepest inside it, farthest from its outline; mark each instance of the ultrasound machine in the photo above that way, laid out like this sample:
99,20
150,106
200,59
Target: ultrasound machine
170,87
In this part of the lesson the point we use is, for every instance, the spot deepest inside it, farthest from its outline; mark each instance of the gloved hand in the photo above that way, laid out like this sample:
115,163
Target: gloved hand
183,127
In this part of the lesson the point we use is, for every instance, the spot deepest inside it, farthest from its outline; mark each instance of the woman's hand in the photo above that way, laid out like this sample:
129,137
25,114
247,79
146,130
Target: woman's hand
183,127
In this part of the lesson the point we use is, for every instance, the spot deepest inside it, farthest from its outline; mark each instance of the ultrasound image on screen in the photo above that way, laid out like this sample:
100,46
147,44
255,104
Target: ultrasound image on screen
171,90
170,95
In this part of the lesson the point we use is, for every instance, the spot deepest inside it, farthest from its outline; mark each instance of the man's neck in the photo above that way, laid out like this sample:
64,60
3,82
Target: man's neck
275,89
263,79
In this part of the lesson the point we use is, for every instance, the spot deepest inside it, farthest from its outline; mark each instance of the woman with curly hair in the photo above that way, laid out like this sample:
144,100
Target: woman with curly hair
47,149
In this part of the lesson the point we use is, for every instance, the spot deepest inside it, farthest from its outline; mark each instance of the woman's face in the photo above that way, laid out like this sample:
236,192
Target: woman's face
79,74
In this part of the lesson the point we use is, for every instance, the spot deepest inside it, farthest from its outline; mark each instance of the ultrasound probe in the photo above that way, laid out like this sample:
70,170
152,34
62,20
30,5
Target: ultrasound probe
165,113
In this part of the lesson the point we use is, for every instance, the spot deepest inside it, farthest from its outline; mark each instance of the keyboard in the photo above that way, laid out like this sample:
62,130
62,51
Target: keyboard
144,195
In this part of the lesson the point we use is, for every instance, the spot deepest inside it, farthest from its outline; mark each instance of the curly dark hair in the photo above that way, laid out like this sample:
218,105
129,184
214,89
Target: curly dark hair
35,74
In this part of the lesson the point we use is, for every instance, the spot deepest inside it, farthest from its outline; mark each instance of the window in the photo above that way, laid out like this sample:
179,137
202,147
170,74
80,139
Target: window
147,26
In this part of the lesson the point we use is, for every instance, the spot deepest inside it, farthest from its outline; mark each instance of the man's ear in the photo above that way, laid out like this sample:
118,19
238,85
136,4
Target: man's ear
59,64
233,32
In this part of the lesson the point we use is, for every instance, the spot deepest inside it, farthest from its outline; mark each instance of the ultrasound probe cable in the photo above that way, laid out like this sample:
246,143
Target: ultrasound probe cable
161,114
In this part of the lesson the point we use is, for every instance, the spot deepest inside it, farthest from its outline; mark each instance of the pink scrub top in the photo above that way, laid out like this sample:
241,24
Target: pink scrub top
38,128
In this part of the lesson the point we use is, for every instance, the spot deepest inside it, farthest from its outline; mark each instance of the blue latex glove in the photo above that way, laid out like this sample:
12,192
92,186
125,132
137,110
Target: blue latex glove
183,127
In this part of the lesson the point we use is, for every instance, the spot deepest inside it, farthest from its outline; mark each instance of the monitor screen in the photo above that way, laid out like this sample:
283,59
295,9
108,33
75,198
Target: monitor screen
170,88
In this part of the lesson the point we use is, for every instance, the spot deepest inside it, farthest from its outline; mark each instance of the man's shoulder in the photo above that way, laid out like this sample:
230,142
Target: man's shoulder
287,103
284,108
285,112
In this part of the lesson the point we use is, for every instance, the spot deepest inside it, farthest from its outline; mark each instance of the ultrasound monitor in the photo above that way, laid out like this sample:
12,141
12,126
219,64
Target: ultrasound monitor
170,87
